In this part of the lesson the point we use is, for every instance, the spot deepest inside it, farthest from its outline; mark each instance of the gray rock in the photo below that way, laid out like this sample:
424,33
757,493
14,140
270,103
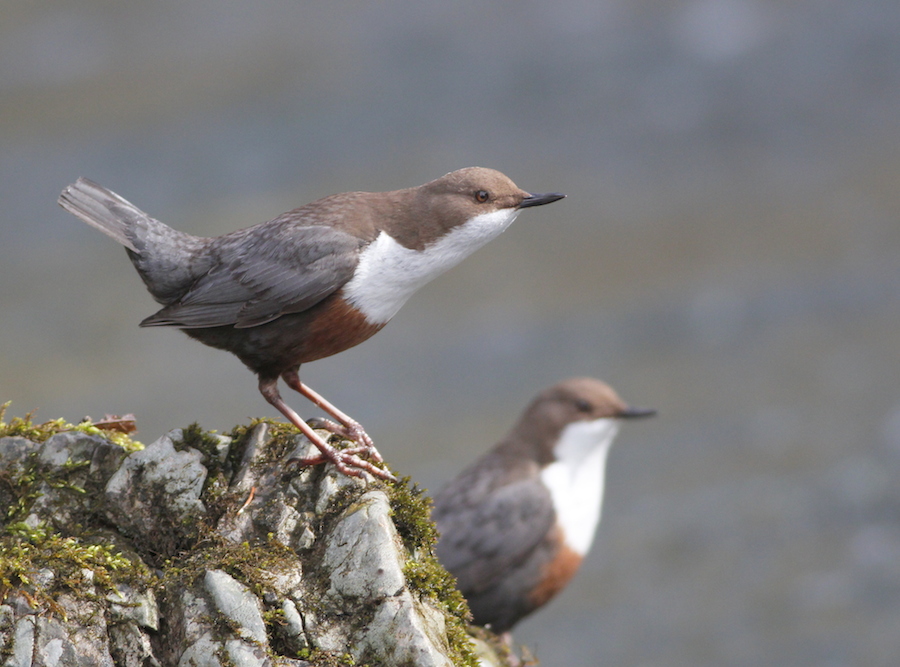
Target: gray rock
157,489
205,652
191,612
237,603
75,643
362,554
69,451
305,538
137,606
22,643
240,640
14,451
294,632
40,641
75,446
130,647
327,490
242,654
268,566
249,472
415,634
223,446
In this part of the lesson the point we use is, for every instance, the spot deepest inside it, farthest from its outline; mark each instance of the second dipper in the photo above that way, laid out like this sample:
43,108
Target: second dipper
516,524
314,281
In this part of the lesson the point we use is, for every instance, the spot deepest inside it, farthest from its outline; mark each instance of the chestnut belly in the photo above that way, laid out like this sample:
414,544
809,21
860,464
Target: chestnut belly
269,349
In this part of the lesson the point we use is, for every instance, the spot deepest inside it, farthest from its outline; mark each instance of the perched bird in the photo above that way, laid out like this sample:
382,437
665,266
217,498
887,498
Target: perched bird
516,524
314,281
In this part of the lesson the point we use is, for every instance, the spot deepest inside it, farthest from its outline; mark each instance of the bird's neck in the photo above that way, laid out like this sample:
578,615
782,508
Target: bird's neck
389,273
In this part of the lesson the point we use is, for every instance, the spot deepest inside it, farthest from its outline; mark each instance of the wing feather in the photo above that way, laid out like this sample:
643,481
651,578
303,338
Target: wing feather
260,274
486,532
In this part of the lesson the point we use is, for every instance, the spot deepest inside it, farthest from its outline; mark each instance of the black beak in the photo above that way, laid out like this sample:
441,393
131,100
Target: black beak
540,200
635,413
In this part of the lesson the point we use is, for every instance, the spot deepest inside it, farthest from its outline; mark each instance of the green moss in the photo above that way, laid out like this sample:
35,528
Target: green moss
429,579
123,440
196,438
215,494
249,563
275,622
25,551
24,427
411,511
21,486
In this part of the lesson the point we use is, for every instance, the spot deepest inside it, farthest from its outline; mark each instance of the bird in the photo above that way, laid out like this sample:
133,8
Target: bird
312,282
516,524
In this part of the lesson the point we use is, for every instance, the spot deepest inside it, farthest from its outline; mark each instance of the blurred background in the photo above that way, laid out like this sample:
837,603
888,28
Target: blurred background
729,254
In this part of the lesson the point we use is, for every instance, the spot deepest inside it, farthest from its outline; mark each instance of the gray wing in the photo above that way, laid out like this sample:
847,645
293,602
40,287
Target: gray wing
262,273
487,532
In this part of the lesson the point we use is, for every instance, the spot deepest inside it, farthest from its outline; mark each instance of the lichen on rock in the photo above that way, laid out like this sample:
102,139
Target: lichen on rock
209,550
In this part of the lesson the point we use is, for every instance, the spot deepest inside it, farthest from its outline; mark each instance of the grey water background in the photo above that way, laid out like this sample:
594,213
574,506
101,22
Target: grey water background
729,253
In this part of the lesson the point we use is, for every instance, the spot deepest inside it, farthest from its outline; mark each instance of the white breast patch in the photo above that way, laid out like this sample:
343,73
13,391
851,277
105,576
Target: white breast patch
388,273
575,479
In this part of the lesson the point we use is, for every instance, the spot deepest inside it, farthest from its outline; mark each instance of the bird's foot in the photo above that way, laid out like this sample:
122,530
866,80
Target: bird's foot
347,461
352,430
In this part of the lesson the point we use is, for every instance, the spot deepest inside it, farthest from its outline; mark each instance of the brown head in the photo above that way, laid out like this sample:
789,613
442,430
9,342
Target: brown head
450,201
578,399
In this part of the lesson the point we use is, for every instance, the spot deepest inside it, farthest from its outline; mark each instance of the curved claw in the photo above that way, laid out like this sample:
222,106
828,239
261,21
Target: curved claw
348,427
347,462
351,431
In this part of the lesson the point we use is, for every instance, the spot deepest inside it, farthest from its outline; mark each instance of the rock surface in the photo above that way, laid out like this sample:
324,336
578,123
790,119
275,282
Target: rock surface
204,550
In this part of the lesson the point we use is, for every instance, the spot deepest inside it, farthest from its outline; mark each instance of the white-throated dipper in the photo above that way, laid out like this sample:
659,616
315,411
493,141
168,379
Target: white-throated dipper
516,524
314,281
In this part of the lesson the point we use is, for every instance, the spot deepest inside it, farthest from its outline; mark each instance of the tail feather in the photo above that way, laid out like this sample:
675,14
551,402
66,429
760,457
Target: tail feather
168,261
101,208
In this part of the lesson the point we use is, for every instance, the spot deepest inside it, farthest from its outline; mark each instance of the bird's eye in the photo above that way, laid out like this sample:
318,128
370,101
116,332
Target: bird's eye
583,405
482,196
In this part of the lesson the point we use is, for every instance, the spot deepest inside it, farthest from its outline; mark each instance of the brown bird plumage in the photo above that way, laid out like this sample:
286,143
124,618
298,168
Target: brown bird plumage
314,281
516,524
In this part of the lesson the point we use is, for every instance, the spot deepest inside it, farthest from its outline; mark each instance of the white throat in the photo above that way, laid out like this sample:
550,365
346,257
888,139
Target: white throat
575,479
388,274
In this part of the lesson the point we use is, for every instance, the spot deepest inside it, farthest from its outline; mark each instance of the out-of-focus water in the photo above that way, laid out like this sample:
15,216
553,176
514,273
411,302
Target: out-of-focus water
729,253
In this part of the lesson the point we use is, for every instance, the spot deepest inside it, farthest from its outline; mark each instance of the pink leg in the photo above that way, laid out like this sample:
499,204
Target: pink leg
345,461
348,427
